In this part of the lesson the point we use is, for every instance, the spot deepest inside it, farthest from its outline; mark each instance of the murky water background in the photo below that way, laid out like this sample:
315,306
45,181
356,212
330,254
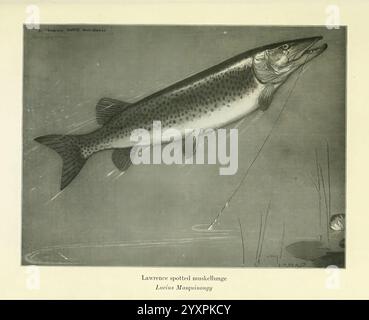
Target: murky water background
158,215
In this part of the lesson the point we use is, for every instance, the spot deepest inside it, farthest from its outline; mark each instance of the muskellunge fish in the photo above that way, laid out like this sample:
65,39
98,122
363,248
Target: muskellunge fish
213,98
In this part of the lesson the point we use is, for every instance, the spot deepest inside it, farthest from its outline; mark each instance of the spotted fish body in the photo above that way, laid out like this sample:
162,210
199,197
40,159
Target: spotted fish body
212,101
213,98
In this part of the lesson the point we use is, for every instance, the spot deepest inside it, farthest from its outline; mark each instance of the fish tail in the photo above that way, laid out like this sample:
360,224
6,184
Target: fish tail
69,147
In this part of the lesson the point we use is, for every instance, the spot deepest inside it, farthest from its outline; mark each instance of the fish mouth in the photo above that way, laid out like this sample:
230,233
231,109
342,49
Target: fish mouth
306,48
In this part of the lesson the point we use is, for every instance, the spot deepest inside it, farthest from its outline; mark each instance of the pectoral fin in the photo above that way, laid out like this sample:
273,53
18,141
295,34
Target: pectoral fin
266,97
121,158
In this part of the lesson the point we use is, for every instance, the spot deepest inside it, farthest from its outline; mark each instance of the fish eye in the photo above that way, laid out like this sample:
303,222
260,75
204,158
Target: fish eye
285,46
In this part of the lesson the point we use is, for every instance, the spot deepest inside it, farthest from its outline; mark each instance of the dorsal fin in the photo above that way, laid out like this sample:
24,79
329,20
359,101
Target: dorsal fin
107,108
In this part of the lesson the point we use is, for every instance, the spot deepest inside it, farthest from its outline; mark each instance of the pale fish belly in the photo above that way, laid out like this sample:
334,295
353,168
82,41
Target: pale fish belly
220,117
225,114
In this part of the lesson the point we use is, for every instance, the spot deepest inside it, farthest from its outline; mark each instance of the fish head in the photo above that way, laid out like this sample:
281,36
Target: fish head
276,62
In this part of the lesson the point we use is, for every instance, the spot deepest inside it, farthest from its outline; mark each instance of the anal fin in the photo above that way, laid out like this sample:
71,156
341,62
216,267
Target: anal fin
122,158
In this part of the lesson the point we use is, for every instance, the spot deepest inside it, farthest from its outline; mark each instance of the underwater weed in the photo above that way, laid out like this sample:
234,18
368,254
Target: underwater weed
258,246
329,211
242,242
318,187
282,244
263,226
324,195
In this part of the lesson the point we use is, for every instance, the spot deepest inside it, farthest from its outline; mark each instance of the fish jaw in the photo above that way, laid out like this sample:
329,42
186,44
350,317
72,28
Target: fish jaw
276,64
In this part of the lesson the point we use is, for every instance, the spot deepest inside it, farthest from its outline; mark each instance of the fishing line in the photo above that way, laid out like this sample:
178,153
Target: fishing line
215,221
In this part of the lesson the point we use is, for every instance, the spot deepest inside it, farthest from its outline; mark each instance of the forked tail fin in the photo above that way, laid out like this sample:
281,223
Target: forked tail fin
69,149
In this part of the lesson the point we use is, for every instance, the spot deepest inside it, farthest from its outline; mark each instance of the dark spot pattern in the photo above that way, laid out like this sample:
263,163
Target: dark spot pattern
183,102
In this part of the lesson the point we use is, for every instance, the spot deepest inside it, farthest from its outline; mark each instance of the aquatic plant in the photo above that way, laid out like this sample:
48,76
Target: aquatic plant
262,228
323,252
242,242
322,183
